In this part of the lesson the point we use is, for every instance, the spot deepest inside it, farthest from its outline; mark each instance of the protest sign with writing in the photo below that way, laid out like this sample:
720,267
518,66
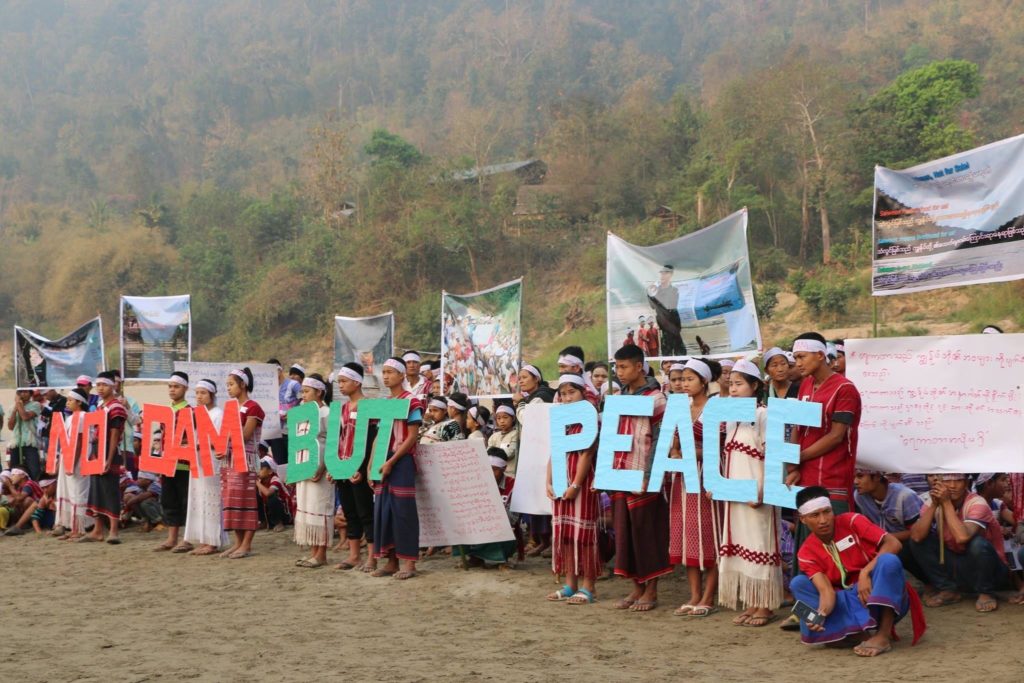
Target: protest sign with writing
264,387
529,495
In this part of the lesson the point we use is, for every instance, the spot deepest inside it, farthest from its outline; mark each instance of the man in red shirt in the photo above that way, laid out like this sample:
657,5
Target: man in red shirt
975,560
852,576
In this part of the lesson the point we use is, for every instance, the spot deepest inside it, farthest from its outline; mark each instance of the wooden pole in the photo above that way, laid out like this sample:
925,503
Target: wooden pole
874,316
942,538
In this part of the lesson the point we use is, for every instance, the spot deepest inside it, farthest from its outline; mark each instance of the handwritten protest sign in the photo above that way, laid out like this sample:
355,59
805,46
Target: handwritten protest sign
264,390
940,404
529,495
457,498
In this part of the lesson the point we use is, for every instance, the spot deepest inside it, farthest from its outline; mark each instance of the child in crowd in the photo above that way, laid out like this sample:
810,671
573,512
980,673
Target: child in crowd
314,497
238,488
276,506
477,423
204,526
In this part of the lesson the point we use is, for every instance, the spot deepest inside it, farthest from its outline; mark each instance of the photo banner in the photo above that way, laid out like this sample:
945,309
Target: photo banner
368,341
481,338
691,296
264,391
156,333
457,499
56,364
940,404
950,222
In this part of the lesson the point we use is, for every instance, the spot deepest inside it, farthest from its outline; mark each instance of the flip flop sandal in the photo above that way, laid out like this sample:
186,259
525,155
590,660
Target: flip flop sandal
344,566
684,610
239,556
113,541
790,623
582,597
873,649
936,601
404,576
367,569
87,539
182,548
742,620
563,593
701,611
981,605
644,606
378,573
308,564
625,603
163,548
764,621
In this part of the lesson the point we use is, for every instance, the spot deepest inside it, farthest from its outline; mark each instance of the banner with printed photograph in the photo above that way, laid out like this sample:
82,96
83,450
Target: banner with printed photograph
950,222
44,363
687,297
156,332
481,340
368,341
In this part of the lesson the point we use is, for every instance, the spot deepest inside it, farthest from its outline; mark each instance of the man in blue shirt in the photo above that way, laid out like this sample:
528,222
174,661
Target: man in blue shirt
891,506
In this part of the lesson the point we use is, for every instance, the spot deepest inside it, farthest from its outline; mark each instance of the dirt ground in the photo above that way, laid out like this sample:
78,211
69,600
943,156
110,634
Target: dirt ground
93,612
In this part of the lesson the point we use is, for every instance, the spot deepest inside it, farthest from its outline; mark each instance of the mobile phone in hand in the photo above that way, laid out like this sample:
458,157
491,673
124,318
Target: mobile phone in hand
808,614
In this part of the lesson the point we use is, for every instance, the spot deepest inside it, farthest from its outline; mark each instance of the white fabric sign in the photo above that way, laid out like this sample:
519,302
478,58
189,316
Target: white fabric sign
264,387
457,498
940,404
529,495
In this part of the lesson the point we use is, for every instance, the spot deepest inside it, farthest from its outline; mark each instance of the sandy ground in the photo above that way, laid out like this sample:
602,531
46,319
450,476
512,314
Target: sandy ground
92,612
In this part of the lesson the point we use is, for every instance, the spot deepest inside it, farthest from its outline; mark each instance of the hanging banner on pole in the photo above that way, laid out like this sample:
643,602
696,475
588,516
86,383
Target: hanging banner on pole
481,340
156,332
950,222
56,364
688,297
368,341
939,404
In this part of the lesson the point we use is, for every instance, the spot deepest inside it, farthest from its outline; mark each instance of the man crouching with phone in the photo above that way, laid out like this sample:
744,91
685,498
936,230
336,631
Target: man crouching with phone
851,579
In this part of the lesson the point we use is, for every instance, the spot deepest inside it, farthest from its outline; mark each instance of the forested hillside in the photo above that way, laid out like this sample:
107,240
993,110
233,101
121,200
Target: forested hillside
288,161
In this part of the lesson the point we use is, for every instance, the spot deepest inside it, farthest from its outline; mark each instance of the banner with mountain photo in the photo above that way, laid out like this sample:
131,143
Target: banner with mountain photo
481,340
156,332
690,296
44,363
368,341
955,221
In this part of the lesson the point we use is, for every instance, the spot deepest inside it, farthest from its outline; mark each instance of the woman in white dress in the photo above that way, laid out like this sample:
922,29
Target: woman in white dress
314,498
203,523
73,488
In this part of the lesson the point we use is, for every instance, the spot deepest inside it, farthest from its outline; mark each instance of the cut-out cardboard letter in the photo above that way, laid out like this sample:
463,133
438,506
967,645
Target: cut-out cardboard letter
156,414
386,411
606,476
229,437
677,419
563,415
717,411
782,411
303,447
182,447
94,462
62,444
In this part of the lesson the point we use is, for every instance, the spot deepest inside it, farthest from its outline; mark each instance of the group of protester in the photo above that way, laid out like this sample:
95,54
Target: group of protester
841,558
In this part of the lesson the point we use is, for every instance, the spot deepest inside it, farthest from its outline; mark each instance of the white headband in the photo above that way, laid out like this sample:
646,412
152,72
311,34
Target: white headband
569,359
990,330
395,365
474,413
314,383
505,409
298,367
728,363
453,404
745,367
790,358
240,375
815,504
809,346
437,403
108,382
700,367
179,380
571,379
82,397
206,384
532,370
498,462
349,373
412,355
675,367
772,353
841,348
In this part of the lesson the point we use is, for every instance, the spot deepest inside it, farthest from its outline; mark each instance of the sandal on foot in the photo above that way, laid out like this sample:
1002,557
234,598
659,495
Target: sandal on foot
88,539
163,548
701,611
625,603
203,551
378,573
404,575
871,650
985,606
368,568
582,597
183,548
563,593
238,555
345,566
683,610
742,619
309,564
113,541
938,600
758,622
790,623
1017,599
644,606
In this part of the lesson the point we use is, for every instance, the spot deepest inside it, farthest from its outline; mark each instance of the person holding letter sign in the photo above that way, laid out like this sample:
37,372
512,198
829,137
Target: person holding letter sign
203,524
174,489
104,489
852,579
238,489
314,498
355,493
640,517
73,487
395,520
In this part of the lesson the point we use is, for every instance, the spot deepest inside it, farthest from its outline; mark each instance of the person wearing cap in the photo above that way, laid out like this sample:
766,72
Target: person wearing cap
355,493
975,560
104,502
640,517
85,382
73,487
22,422
891,506
664,299
852,576
723,380
396,523
288,396
777,368
174,497
693,517
828,453
750,559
